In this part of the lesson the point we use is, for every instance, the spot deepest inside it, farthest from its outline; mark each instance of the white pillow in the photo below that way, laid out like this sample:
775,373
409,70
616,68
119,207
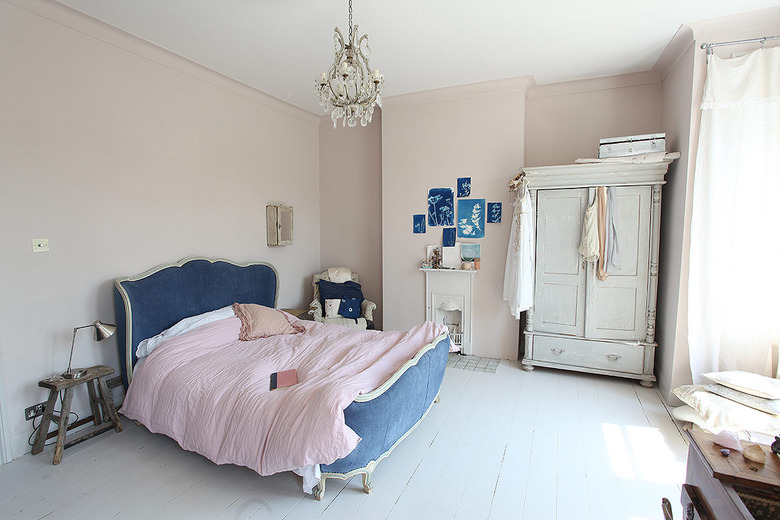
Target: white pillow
753,384
759,403
146,346
339,274
332,308
719,413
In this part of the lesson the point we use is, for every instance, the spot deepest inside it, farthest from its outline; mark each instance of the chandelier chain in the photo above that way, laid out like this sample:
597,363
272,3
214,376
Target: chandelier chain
350,20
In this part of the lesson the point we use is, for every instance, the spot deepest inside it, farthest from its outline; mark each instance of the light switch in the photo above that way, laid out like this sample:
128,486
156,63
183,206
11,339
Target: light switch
40,245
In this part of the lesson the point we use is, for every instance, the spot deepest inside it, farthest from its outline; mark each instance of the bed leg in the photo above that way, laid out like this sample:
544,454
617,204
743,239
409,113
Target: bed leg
319,489
368,487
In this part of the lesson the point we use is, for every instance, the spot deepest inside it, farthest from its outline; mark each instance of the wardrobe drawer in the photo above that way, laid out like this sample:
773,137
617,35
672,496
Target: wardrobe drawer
589,353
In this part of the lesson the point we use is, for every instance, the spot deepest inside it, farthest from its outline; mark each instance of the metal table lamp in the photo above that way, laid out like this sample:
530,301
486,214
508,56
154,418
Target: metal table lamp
102,331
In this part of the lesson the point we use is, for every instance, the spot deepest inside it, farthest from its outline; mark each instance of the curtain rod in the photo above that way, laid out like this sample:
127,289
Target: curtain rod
709,46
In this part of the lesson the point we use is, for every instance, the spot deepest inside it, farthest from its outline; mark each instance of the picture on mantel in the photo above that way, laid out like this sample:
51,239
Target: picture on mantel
471,218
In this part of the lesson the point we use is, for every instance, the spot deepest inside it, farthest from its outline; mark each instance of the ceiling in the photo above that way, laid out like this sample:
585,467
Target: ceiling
281,46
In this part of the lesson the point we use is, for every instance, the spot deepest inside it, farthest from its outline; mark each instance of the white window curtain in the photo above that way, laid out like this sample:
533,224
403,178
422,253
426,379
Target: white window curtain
734,284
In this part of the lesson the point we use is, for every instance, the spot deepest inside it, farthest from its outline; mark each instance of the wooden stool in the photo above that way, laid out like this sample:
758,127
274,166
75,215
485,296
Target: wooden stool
102,408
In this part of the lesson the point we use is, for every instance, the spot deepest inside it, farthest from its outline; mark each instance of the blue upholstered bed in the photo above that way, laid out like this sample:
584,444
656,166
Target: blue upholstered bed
155,300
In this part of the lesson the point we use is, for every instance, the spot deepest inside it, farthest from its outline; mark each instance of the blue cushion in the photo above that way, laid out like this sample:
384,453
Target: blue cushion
330,290
350,307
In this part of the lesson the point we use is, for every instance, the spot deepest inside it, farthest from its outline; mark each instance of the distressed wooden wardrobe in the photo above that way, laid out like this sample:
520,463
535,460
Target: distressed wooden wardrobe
579,322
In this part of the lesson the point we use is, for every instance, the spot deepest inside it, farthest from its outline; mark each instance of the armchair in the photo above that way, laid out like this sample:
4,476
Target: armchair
340,275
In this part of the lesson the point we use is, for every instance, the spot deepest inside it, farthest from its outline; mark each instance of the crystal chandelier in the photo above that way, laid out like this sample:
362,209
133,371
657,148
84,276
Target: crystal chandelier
350,89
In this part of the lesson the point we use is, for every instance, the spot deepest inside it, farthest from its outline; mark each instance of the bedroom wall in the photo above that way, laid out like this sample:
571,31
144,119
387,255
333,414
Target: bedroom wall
676,69
351,203
125,156
565,121
430,139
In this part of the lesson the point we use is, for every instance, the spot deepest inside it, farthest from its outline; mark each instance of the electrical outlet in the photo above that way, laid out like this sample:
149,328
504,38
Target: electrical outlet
34,411
114,382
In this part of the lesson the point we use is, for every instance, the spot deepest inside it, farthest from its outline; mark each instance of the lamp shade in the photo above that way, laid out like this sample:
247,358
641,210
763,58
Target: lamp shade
103,330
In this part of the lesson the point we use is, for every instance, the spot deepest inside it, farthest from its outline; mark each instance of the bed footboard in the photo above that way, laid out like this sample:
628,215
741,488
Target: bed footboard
376,418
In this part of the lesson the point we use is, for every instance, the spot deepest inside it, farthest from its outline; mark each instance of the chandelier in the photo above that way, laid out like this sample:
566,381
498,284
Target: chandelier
350,89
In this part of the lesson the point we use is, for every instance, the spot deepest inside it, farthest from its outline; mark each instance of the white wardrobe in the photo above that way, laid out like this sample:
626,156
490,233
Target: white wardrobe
579,322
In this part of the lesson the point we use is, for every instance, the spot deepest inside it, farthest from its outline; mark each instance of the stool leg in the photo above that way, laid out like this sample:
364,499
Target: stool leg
108,400
97,417
43,429
64,416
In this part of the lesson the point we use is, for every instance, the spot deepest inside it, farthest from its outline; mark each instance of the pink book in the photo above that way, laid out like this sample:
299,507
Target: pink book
284,378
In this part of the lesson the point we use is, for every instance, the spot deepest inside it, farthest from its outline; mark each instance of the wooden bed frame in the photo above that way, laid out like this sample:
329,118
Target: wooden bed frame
148,303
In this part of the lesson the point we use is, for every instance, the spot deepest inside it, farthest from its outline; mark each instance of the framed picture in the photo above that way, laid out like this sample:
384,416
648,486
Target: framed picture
448,237
419,224
494,212
464,186
441,207
471,218
468,252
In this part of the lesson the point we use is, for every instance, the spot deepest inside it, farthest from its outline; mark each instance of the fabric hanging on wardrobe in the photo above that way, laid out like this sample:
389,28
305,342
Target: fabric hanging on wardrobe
611,249
599,241
734,281
519,270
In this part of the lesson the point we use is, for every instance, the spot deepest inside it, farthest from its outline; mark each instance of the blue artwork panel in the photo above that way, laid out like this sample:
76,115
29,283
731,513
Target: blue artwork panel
471,218
419,224
441,207
464,186
494,212
448,237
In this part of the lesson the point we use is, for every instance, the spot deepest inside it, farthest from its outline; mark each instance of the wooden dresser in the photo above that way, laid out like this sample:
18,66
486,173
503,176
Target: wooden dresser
718,487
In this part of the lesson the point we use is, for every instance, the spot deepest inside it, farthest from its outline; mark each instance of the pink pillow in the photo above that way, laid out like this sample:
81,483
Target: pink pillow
258,321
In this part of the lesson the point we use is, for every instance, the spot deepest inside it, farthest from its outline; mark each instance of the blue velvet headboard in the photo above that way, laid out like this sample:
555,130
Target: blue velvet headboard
149,303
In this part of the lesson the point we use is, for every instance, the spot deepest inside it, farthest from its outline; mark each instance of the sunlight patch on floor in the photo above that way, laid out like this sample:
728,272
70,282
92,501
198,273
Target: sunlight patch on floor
642,450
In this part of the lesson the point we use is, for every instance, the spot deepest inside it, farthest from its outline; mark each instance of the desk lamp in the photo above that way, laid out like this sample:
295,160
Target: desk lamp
102,331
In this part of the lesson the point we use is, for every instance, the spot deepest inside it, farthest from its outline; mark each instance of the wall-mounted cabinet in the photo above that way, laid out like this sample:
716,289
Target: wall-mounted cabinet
279,225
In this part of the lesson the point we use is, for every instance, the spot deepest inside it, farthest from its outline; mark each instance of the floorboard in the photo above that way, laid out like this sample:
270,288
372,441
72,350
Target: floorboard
547,444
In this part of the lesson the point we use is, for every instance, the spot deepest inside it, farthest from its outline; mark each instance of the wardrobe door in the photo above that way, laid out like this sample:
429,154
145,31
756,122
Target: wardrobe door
559,304
617,307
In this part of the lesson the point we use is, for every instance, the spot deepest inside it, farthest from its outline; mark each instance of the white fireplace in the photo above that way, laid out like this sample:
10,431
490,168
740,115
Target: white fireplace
448,300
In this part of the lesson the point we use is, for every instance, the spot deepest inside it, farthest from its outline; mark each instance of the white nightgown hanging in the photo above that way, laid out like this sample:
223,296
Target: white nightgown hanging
519,272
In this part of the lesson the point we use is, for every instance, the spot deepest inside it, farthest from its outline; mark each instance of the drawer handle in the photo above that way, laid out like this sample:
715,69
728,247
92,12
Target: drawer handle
557,351
613,357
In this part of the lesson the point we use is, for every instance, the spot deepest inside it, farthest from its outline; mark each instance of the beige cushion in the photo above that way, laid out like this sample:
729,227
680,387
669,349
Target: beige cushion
359,323
719,413
339,274
759,403
258,321
753,384
332,308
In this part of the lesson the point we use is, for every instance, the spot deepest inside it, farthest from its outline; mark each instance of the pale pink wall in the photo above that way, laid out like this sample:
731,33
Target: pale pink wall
676,68
428,141
125,156
565,121
351,203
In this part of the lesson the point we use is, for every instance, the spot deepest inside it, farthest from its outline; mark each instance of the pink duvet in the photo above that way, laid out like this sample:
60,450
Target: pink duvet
210,392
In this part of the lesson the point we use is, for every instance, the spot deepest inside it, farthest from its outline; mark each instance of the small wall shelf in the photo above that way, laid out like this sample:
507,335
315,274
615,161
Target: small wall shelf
448,300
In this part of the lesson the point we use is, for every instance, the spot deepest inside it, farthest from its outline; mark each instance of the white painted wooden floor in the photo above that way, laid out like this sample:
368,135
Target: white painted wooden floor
546,445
